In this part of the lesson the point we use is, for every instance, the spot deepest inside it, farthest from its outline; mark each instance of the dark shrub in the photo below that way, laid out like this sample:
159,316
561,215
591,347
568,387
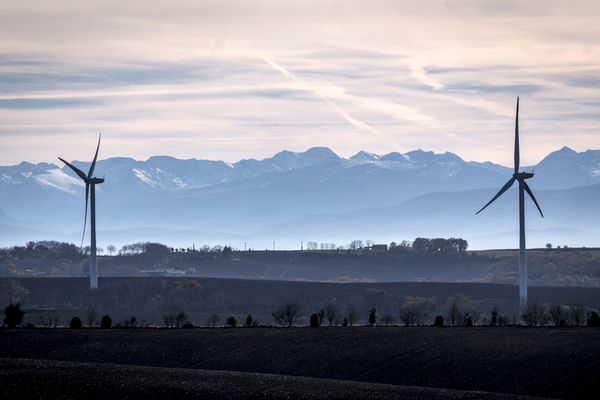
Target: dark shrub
373,316
249,320
188,325
594,320
494,317
314,320
106,322
227,253
345,323
231,321
439,321
469,322
75,323
13,315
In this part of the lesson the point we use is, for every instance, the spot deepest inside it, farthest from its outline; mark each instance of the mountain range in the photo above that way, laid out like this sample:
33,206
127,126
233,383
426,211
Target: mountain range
311,195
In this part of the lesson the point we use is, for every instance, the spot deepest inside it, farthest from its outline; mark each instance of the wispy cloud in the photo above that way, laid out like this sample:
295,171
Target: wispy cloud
418,71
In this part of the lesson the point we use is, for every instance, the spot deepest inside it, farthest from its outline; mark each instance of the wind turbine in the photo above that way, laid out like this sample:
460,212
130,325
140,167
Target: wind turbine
523,187
90,186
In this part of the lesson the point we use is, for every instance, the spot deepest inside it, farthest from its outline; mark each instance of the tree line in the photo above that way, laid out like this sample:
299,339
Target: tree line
415,311
440,245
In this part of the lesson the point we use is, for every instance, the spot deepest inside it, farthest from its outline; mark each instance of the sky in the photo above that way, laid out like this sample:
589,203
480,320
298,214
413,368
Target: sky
246,79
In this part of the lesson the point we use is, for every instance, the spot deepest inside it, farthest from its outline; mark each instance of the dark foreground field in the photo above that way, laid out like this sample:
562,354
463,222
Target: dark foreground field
543,362
69,380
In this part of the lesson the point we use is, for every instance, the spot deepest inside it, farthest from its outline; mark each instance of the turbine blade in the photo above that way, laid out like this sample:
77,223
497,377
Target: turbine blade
87,195
504,189
91,171
74,168
517,158
530,193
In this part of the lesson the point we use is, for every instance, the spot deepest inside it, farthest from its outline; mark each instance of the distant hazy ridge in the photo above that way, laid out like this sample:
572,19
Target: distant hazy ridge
314,195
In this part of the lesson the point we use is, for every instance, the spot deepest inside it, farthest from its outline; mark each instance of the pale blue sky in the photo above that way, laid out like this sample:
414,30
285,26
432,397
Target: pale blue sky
247,79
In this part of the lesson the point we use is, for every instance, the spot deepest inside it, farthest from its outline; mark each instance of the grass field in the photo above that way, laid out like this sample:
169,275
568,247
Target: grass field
593,251
574,267
548,362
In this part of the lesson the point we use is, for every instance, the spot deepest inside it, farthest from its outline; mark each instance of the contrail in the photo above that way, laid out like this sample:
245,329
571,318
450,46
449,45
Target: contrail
283,71
339,110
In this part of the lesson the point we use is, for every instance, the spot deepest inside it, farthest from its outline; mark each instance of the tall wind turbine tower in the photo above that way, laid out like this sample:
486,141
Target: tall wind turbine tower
523,187
90,186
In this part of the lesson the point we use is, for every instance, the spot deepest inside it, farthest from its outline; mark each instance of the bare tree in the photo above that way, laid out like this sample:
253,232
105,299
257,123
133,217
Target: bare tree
453,313
91,315
455,316
475,316
557,313
174,317
355,245
578,315
321,316
407,315
169,320
181,318
415,310
51,319
287,313
279,316
111,249
43,321
331,313
213,319
311,245
57,318
534,314
351,315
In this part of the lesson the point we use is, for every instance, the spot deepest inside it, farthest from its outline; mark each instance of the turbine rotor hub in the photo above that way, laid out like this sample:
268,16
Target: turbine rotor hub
522,175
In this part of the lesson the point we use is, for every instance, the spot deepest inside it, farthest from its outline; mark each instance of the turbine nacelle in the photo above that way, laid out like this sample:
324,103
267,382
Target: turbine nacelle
522,175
